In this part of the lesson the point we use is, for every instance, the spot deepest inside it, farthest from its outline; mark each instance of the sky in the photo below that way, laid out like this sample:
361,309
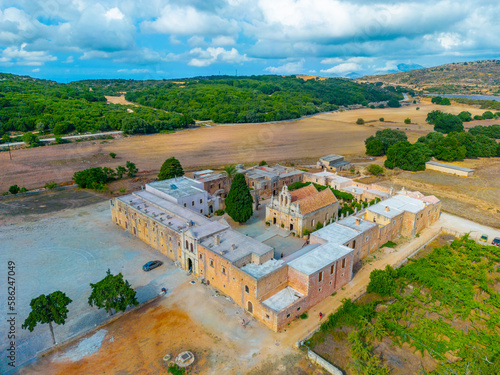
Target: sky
66,40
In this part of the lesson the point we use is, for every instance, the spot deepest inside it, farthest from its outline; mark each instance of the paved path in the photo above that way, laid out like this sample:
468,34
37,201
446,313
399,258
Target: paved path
68,137
465,226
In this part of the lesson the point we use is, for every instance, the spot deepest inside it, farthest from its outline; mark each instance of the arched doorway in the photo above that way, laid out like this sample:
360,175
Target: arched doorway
250,307
190,264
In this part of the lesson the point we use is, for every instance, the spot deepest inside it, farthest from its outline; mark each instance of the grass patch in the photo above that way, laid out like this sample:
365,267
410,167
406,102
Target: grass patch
390,244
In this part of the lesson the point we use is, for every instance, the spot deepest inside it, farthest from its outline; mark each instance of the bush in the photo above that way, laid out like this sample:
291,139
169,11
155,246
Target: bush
50,185
381,119
122,190
14,189
282,225
393,103
407,156
383,282
306,232
379,144
407,121
375,169
219,212
319,225
360,121
94,178
262,163
60,141
304,316
112,154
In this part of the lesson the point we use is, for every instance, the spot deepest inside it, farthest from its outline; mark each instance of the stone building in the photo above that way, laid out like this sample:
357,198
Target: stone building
302,209
268,181
216,184
448,168
334,163
274,291
186,192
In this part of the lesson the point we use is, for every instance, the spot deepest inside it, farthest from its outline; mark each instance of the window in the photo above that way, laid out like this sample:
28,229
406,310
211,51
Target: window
185,204
267,316
187,244
288,315
332,268
201,211
312,223
201,256
192,203
394,222
319,290
246,289
211,262
320,276
343,263
191,247
342,275
223,270
201,201
366,239
298,308
353,244
330,283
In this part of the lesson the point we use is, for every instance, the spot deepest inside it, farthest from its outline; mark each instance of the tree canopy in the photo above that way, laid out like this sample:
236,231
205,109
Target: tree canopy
48,309
379,144
447,123
239,202
407,156
170,168
112,293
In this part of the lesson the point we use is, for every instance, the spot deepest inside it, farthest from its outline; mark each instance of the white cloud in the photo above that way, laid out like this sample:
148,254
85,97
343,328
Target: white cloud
223,40
293,67
342,68
69,60
134,71
21,56
187,20
114,14
36,70
211,55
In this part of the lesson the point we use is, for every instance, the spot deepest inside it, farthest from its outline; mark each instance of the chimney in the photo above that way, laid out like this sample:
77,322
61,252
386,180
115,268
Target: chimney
386,208
358,221
217,240
233,247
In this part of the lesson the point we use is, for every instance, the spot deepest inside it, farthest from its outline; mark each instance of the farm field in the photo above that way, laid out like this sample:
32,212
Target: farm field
292,141
438,314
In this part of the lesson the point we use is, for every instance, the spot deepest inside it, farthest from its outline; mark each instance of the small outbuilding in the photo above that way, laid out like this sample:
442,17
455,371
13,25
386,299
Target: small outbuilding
448,168
334,163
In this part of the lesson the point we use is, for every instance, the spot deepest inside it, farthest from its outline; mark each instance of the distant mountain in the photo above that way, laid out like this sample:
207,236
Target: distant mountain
352,75
408,67
475,77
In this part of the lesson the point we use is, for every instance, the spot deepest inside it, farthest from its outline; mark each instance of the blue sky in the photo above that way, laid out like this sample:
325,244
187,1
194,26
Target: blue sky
67,40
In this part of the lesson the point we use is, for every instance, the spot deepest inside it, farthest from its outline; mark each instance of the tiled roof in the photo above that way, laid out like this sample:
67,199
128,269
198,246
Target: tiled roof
303,192
316,201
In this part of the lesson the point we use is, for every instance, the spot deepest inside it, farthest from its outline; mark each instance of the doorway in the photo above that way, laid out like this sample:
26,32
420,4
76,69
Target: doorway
190,265
135,231
274,220
250,307
291,227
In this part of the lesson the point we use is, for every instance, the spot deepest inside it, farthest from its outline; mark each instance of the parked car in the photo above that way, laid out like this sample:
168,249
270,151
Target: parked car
484,238
496,241
151,265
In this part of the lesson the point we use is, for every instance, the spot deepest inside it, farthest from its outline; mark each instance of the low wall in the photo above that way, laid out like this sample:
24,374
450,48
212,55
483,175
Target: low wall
323,363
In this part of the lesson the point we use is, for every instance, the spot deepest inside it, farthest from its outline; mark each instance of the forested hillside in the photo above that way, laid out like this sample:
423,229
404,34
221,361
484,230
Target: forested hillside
28,104
256,98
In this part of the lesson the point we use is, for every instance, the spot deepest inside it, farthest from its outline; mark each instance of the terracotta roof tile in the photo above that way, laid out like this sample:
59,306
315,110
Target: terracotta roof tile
316,201
303,192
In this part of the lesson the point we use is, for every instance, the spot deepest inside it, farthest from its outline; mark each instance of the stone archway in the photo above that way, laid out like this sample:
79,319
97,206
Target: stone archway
190,265
250,307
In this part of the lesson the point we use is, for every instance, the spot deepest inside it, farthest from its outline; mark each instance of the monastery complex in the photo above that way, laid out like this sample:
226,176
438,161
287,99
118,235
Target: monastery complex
172,216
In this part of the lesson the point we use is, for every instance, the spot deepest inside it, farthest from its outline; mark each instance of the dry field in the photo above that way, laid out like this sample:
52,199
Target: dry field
118,100
293,141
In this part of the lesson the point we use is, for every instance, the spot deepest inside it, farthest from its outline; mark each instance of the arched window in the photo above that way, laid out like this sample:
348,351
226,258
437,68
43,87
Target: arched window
191,247
187,244
246,289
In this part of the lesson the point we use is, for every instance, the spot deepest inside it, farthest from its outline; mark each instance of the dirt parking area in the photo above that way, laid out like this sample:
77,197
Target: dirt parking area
67,250
299,141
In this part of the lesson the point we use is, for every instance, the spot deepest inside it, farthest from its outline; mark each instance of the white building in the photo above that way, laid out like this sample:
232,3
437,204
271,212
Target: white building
185,192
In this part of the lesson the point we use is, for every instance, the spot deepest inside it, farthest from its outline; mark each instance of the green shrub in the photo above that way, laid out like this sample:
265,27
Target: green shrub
282,225
381,119
262,163
174,369
383,282
50,185
319,225
375,169
407,121
122,190
14,189
112,154
306,232
304,316
360,121
219,212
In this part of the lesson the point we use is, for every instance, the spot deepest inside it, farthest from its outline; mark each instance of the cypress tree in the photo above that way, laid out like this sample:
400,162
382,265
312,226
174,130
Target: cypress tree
171,168
239,200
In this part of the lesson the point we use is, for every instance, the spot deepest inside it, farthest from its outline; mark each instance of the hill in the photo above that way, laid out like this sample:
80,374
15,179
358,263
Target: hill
476,77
